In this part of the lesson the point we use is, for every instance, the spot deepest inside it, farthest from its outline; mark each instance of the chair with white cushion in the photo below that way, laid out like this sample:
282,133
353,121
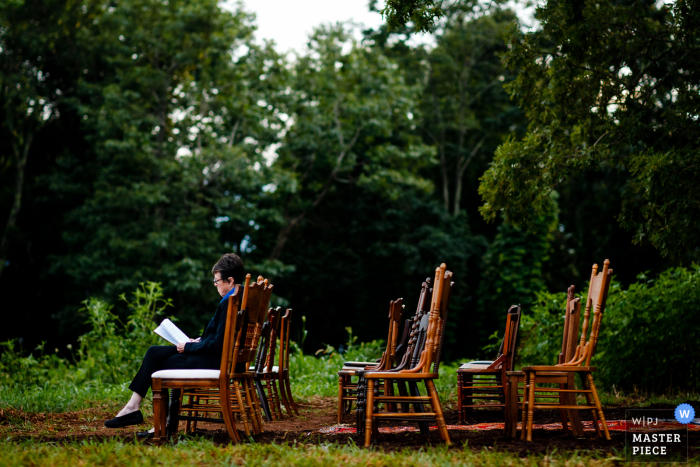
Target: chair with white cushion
219,380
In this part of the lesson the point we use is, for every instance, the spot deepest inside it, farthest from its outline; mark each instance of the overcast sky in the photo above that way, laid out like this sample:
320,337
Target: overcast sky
289,22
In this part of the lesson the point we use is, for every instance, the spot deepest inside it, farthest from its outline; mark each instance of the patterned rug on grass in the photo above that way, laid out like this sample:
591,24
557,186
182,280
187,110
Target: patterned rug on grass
613,425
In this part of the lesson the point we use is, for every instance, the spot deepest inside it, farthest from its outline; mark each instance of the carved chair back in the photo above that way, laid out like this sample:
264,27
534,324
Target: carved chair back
597,296
405,352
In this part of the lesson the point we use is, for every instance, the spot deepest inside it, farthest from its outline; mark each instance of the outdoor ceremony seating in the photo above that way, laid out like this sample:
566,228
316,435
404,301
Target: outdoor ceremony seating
486,380
203,397
423,366
579,363
350,369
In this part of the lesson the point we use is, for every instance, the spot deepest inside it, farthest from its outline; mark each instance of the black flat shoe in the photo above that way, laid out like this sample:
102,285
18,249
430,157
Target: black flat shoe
133,418
145,434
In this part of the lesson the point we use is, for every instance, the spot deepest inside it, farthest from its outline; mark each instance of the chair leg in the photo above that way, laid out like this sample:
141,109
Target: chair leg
511,425
272,388
289,393
591,402
369,418
261,397
403,391
341,394
601,416
437,409
254,407
418,408
574,416
360,404
389,391
241,406
283,395
173,420
531,406
460,389
563,399
226,413
196,414
526,398
160,397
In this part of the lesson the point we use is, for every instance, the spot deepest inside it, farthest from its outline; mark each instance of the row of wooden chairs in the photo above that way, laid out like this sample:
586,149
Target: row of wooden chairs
248,380
481,384
515,391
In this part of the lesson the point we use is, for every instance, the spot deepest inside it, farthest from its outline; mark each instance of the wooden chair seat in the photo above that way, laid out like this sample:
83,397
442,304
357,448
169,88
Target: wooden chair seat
557,368
360,364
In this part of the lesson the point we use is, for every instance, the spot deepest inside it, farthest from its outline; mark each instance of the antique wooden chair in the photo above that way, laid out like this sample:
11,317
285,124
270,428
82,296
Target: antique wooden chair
247,407
423,366
266,373
347,388
204,379
564,380
578,364
486,380
283,366
386,362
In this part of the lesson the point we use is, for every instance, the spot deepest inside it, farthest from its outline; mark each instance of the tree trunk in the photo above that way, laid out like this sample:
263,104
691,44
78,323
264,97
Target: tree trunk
20,152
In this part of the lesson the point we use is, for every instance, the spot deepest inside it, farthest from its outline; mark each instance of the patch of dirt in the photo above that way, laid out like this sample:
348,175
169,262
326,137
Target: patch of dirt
321,412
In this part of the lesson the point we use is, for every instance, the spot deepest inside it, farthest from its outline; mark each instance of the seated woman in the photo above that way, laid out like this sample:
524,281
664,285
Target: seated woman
200,353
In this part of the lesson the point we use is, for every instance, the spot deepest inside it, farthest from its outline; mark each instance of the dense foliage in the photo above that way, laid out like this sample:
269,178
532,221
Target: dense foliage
648,332
141,139
607,85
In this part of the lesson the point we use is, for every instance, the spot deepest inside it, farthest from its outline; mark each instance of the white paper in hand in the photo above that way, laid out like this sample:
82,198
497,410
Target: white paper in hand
171,333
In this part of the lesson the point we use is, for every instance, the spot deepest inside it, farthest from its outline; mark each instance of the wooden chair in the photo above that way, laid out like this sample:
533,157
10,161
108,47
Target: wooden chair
266,373
283,366
247,407
204,379
486,380
578,364
423,366
516,379
347,388
349,370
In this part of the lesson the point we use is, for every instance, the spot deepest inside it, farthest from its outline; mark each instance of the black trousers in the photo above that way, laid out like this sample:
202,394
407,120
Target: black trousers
166,357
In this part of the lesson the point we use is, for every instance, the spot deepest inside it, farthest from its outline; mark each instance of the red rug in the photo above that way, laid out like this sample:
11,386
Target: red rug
613,425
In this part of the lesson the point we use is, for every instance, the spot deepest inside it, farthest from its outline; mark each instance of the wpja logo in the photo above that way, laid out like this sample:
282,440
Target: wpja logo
658,435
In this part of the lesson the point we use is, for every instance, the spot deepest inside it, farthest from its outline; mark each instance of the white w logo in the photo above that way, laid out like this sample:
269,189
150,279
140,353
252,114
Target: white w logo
684,413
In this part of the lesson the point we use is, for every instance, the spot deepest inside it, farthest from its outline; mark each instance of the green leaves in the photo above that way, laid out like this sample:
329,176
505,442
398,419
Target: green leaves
604,85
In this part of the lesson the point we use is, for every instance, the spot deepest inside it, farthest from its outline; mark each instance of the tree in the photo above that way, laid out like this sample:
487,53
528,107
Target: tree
350,116
607,85
466,111
515,267
36,41
423,13
176,137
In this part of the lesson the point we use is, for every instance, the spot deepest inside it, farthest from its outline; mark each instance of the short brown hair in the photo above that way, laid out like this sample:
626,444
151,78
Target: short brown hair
230,265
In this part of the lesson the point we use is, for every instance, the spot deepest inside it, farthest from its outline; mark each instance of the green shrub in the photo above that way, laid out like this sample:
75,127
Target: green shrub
107,357
649,337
